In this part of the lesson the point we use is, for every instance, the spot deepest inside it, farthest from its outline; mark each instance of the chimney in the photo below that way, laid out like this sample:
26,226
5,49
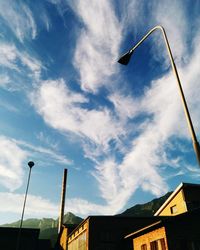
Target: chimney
62,205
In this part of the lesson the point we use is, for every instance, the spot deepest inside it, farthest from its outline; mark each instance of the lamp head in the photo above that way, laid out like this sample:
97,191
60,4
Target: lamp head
125,58
31,164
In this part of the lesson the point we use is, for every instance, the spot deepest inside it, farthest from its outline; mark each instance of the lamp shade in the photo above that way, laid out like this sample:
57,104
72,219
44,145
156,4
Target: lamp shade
31,164
125,58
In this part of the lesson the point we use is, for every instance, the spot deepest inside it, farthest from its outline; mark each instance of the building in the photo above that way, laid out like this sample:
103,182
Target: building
9,236
179,232
104,233
186,197
29,239
173,227
63,235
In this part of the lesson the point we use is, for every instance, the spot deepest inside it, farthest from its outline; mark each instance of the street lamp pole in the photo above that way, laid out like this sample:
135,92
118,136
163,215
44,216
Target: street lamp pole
125,60
30,164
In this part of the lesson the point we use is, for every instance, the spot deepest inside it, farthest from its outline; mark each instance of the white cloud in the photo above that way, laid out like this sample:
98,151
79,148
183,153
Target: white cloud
36,206
42,152
98,43
47,140
32,64
177,34
142,165
11,58
13,155
19,18
132,15
62,109
8,106
46,21
84,208
8,55
118,182
125,106
11,163
39,207
4,80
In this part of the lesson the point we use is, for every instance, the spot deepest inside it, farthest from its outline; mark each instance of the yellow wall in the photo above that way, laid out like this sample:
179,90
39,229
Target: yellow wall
79,232
179,201
149,237
63,239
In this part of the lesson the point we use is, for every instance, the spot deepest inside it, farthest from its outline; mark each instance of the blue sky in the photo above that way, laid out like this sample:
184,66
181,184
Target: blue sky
65,102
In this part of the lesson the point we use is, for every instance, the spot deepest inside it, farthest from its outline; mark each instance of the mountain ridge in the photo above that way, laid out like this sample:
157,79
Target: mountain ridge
49,227
146,209
69,218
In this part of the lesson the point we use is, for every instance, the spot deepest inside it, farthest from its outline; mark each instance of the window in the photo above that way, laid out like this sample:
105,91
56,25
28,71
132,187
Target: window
158,244
154,245
144,247
173,209
162,244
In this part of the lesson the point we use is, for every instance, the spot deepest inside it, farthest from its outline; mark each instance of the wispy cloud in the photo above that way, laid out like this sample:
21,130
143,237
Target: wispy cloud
8,55
13,155
139,167
8,106
125,106
23,63
41,207
84,208
36,205
11,162
112,127
98,43
141,164
63,109
19,18
4,80
144,160
46,153
44,138
177,34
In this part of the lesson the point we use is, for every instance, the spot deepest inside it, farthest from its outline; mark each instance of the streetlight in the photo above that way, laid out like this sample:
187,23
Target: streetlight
124,59
30,164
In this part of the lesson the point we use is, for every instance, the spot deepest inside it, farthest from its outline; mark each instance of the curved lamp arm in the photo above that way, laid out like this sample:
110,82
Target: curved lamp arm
125,60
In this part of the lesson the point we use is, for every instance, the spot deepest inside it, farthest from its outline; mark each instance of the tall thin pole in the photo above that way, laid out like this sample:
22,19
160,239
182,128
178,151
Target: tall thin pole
30,164
62,205
125,59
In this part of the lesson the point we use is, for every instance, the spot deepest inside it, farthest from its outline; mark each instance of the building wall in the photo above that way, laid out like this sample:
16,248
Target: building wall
147,238
79,239
108,232
192,197
181,233
9,237
63,238
178,203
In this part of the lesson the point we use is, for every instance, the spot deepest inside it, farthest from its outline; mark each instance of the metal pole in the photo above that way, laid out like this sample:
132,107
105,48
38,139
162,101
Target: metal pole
186,110
30,164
